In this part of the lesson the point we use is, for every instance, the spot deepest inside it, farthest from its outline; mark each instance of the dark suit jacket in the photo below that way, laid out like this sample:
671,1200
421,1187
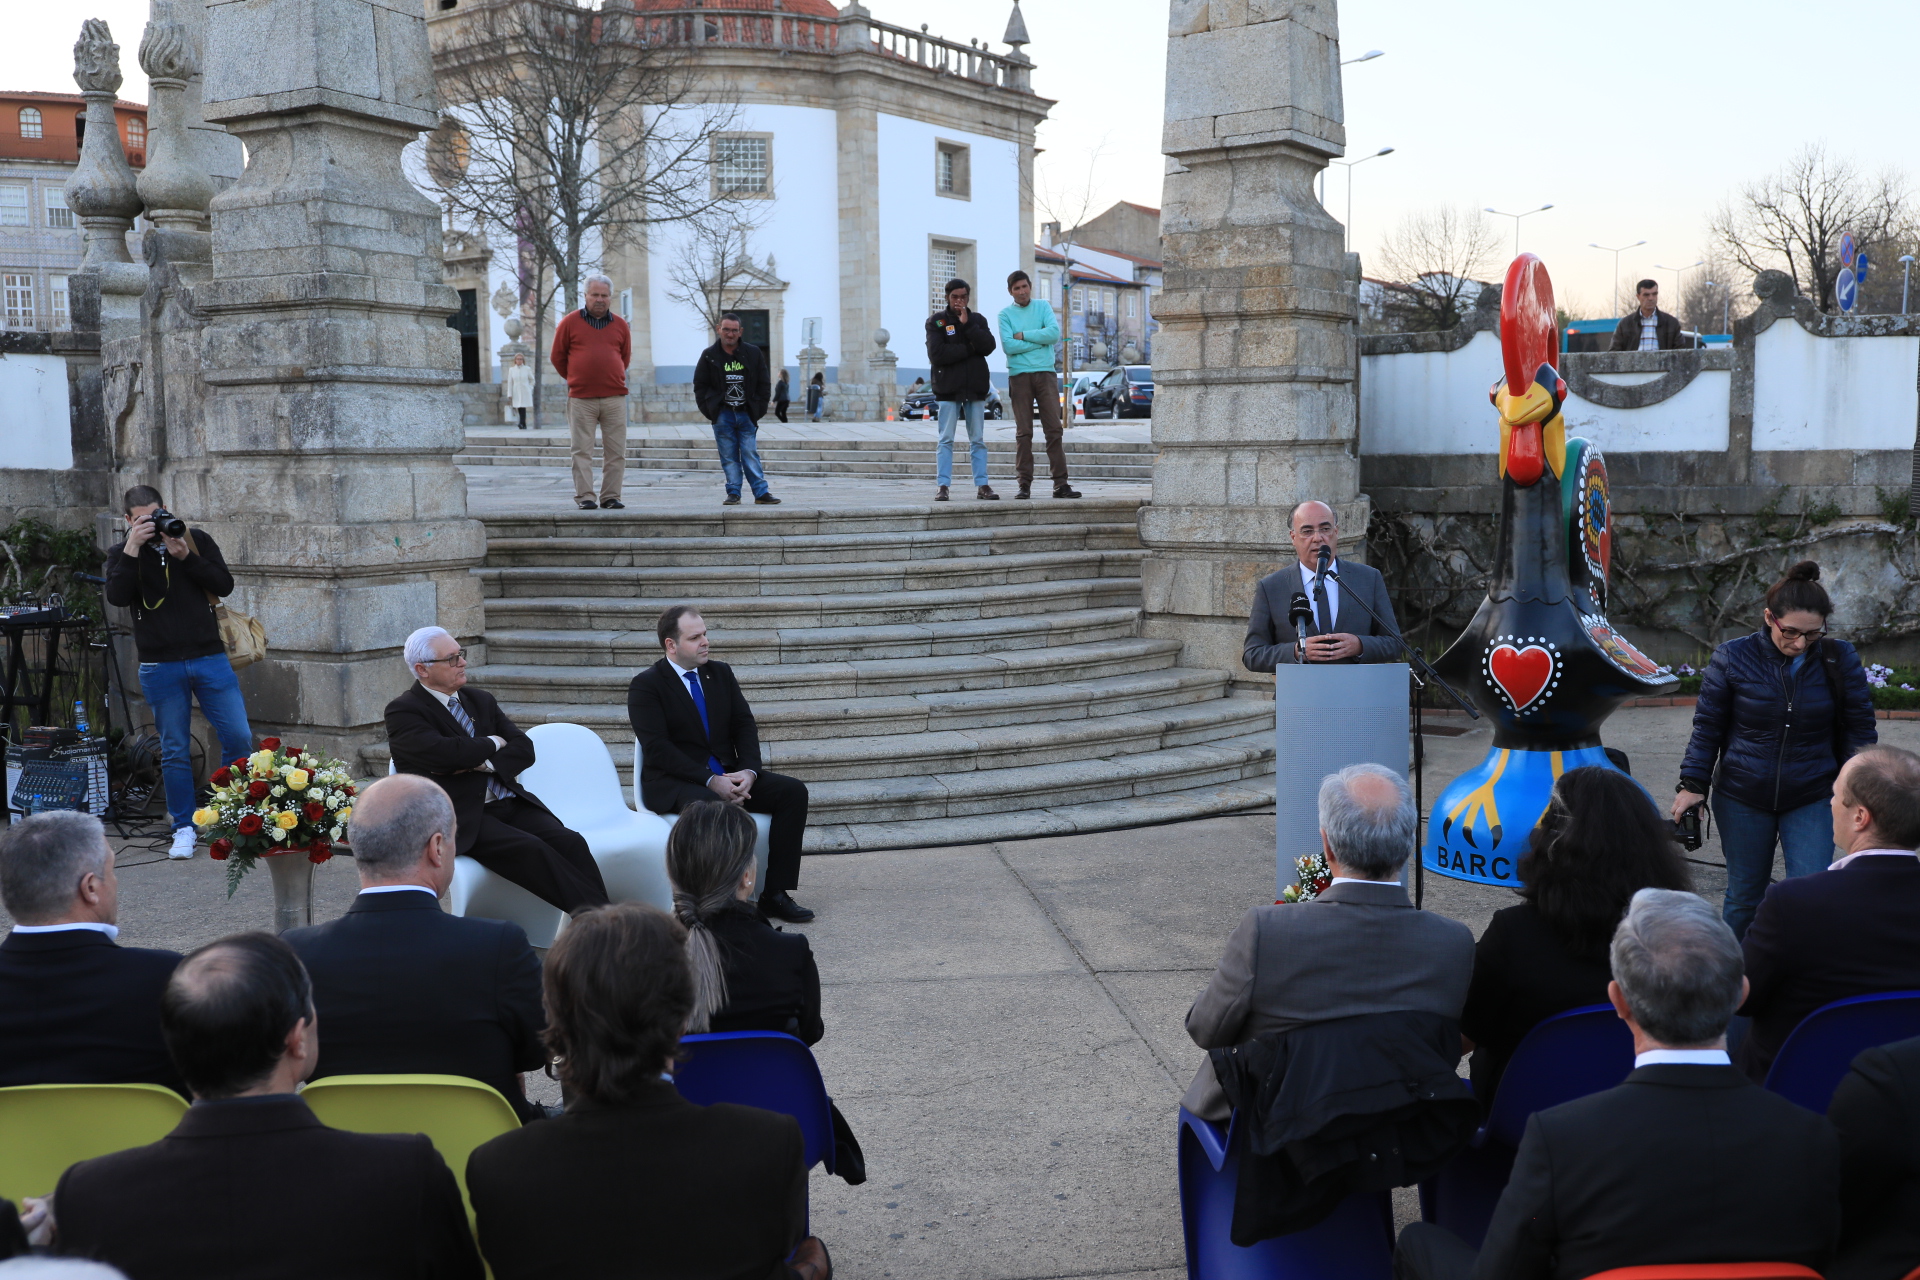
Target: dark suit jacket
251,1189
699,1193
1824,937
1270,634
1877,1111
1523,974
772,981
1682,1163
426,739
75,1008
673,745
401,986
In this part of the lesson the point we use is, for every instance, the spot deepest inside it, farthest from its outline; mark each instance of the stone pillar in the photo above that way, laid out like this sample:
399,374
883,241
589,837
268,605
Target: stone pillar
1254,362
174,186
101,191
882,374
329,433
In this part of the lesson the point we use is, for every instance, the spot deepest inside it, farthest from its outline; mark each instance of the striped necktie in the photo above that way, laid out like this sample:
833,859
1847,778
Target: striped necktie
494,790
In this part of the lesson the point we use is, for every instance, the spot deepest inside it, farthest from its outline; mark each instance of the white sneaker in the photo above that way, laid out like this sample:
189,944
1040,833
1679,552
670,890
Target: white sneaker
183,841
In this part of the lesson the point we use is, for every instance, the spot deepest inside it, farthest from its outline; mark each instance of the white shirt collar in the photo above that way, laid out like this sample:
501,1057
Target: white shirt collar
1357,880
111,930
397,888
444,698
684,671
1308,573
1873,853
1692,1057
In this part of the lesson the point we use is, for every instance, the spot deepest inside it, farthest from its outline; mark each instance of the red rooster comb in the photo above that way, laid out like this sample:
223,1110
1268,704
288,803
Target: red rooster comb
1528,338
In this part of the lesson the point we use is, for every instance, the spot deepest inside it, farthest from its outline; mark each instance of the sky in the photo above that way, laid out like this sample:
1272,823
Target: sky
1633,119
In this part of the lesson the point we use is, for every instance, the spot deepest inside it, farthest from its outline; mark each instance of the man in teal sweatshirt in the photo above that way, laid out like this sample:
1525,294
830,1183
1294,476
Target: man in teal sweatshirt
1028,334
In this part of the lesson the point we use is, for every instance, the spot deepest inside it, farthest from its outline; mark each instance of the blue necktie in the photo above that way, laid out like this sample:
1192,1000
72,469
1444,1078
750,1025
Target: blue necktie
700,704
494,790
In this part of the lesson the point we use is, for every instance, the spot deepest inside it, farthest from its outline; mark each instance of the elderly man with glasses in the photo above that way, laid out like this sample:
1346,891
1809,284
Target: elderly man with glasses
456,734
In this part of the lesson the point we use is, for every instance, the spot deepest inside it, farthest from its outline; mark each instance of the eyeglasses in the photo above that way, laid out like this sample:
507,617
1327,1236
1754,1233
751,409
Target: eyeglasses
1788,633
1308,530
458,655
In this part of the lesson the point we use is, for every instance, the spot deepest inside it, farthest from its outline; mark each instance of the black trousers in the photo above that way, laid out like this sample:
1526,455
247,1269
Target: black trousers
785,799
1427,1252
780,409
529,846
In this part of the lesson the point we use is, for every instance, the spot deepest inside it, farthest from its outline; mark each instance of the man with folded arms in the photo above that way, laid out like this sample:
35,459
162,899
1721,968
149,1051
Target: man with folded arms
402,986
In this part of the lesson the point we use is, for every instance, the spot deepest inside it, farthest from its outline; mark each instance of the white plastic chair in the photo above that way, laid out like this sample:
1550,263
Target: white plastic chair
573,775
762,825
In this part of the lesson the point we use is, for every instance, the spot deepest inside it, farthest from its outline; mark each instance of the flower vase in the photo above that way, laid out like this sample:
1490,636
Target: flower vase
292,889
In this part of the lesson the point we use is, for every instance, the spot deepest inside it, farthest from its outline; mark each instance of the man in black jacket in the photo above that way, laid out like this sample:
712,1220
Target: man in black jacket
239,1020
403,987
457,735
1877,1111
172,585
1686,1162
698,741
730,386
959,340
75,1007
1647,328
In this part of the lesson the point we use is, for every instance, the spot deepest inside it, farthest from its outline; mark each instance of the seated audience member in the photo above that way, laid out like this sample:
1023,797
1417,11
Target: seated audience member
1600,840
400,985
75,1006
1688,1161
1877,1111
1851,929
456,734
27,1268
1358,948
633,1170
250,1184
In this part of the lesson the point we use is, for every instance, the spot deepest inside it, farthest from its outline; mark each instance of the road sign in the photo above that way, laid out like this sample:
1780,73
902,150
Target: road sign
1846,249
1860,267
1846,290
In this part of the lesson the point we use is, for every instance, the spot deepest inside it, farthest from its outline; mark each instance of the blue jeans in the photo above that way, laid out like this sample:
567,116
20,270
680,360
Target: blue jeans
738,438
976,433
170,688
1747,837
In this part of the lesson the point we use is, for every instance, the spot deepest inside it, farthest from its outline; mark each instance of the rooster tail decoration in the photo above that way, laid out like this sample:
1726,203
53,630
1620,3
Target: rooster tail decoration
1539,659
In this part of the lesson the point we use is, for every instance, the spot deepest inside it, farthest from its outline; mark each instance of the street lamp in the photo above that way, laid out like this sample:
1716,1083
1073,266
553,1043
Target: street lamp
1346,240
1616,263
1516,221
1368,56
1679,273
1906,278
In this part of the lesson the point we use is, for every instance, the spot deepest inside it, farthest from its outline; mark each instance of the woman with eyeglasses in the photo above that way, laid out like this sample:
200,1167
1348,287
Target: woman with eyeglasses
1780,711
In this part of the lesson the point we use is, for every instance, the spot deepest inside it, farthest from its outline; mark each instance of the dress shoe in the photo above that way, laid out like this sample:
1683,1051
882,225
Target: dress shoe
777,904
766,500
613,504
588,504
942,495
733,500
1026,492
986,494
1065,491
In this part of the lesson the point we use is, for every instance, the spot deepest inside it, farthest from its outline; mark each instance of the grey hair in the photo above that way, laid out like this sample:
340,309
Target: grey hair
596,278
1303,502
1678,966
1373,841
42,859
708,850
419,647
26,1267
389,833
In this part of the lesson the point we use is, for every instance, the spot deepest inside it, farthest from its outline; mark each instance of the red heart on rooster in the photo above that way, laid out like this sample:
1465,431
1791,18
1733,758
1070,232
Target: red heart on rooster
1521,673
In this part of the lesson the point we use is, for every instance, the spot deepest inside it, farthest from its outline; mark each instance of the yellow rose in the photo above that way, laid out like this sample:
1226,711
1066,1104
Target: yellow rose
297,779
205,817
261,764
286,821
345,815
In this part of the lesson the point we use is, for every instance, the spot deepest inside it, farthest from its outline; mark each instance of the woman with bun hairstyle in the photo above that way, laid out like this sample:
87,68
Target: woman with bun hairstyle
1780,711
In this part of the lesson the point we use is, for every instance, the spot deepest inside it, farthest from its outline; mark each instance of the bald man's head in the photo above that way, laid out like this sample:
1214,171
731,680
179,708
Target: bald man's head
1311,526
393,821
228,1009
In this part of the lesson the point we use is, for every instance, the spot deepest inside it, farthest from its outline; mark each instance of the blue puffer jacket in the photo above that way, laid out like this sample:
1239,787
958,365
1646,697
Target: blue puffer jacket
1771,728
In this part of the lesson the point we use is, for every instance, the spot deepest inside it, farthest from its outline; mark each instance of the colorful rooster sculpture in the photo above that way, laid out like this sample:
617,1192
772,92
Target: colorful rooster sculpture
1540,658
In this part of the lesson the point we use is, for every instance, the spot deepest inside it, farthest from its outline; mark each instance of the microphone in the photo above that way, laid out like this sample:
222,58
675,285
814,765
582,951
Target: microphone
88,577
1325,558
1300,614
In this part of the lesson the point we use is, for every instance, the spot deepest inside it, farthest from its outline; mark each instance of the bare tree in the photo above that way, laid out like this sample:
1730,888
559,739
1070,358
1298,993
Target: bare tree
1793,218
1432,260
576,129
1714,293
712,273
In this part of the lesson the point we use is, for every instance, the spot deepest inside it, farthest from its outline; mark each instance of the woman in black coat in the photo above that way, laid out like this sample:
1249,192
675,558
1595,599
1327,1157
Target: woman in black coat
1600,841
1780,711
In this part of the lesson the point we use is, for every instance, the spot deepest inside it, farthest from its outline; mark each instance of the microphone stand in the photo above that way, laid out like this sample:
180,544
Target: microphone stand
1420,668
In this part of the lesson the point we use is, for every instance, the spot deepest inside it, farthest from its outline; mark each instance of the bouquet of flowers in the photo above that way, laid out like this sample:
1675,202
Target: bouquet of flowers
275,802
1314,877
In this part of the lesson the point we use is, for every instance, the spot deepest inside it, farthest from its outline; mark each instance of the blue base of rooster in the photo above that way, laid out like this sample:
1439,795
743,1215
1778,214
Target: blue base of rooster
1482,822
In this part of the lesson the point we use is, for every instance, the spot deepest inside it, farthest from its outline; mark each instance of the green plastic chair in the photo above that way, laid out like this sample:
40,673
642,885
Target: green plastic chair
45,1128
457,1114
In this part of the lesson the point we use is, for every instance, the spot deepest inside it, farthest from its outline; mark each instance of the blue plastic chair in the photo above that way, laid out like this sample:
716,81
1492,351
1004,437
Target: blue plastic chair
1820,1051
1568,1056
1355,1243
765,1069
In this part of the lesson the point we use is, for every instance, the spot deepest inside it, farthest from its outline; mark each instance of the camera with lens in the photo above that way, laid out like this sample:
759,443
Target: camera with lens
1687,829
169,524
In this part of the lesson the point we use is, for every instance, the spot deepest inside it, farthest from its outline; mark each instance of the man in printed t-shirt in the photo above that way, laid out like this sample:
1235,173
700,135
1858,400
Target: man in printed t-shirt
730,386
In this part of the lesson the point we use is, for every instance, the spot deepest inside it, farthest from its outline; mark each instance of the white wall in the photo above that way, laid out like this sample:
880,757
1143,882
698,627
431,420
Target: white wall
1833,393
37,434
1694,419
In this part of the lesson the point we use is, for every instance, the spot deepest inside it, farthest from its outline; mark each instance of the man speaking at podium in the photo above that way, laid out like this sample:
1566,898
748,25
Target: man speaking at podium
1316,610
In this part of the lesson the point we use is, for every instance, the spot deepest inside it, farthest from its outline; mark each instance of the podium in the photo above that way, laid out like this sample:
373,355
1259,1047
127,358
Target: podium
1326,717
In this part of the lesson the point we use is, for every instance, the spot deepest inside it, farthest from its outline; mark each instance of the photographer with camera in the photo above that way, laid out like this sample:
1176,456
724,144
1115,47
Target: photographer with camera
172,578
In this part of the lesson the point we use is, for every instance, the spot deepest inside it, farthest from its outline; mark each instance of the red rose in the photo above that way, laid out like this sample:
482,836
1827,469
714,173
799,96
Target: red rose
258,790
269,744
314,810
319,851
219,849
250,824
348,789
222,776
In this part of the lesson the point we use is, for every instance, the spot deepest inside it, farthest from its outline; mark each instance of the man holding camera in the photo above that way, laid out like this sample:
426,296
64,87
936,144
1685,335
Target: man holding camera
172,577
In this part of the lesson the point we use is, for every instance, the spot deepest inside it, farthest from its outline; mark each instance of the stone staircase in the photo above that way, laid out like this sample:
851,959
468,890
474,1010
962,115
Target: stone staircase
936,675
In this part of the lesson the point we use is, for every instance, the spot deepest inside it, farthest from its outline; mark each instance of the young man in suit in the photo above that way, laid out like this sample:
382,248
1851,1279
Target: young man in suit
1358,948
457,735
1342,631
698,742
1848,930
404,987
75,1007
1687,1162
239,1020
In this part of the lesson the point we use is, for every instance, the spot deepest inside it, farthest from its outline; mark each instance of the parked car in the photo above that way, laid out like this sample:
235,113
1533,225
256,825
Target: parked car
1123,392
921,404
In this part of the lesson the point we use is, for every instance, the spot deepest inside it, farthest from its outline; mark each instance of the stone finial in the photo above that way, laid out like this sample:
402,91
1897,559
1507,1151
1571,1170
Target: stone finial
1776,287
100,191
96,59
174,185
504,301
881,338
1016,29
165,53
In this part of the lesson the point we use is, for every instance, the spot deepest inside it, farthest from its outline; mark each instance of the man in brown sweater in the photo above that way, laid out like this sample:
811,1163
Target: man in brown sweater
591,350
